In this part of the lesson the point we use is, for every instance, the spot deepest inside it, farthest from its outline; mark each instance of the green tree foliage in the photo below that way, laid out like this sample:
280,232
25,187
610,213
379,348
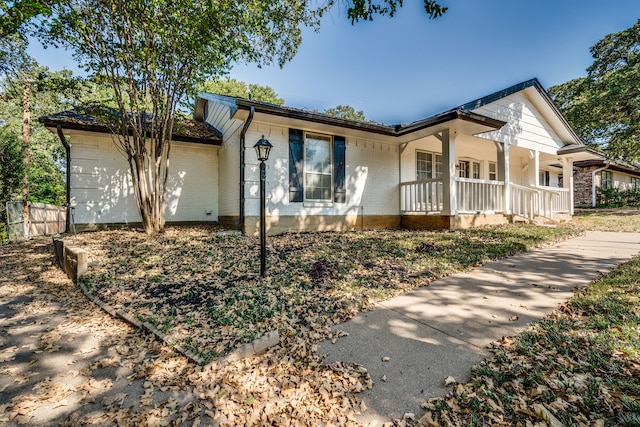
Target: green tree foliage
264,94
154,52
16,14
237,88
367,9
45,169
346,112
31,149
604,106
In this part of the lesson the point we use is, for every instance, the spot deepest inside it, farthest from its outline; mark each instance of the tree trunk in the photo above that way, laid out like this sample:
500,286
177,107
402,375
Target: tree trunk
26,134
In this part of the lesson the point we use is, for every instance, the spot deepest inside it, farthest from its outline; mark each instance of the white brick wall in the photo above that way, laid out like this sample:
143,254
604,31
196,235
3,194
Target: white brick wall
372,177
101,188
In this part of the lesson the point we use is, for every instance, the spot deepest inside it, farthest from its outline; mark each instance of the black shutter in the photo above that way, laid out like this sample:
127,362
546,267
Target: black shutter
339,168
296,166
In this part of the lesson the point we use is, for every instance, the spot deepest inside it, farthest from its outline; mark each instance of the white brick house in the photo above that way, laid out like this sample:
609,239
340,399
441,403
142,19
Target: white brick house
483,162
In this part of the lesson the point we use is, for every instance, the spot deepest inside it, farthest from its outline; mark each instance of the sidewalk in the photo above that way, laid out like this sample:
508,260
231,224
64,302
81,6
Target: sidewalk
444,329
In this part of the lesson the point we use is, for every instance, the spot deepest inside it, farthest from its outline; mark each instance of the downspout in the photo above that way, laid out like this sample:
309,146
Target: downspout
593,184
67,149
247,123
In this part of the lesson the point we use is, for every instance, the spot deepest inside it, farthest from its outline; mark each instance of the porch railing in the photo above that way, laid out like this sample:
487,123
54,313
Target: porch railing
483,196
421,196
523,201
542,201
477,195
553,200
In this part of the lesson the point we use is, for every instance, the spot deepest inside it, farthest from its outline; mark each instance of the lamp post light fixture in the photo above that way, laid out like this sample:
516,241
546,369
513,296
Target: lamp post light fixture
263,147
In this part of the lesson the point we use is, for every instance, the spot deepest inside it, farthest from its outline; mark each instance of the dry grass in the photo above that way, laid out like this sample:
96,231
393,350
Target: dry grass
622,220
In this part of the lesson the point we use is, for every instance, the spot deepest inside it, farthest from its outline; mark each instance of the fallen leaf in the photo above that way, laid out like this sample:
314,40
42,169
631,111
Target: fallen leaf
449,380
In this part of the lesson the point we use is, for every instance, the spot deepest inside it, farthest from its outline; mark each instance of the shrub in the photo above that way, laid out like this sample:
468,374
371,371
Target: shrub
616,198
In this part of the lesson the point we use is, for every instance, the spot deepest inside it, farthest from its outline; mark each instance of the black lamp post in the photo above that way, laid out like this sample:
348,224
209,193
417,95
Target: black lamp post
262,151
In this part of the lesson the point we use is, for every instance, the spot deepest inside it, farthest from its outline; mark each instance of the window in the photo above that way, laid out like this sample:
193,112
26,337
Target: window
317,168
543,178
468,169
424,165
493,171
428,165
606,180
463,169
475,168
635,183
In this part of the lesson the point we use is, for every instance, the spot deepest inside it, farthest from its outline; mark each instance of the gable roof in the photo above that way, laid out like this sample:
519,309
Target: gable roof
522,86
185,130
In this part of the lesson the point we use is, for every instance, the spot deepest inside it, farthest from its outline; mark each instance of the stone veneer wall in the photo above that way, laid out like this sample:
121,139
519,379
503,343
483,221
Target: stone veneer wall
582,196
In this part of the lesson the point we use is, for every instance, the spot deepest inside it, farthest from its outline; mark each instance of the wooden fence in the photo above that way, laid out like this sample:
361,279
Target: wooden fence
42,220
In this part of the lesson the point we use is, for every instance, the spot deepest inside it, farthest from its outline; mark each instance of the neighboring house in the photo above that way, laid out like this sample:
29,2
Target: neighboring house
591,175
489,161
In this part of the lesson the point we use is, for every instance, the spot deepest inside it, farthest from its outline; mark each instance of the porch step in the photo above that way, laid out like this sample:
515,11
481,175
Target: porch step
538,220
545,221
517,219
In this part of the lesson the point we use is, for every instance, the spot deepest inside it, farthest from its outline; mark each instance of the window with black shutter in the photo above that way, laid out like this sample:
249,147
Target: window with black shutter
317,168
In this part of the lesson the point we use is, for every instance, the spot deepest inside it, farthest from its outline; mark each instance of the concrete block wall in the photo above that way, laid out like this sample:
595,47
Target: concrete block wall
72,259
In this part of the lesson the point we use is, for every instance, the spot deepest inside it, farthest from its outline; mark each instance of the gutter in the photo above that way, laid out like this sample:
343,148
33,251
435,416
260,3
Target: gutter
394,131
243,132
67,150
593,183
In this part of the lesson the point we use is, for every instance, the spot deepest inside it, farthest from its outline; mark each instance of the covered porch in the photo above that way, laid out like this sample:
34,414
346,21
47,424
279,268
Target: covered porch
454,179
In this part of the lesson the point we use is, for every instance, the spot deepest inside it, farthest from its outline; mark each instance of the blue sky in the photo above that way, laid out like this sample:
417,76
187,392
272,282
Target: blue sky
408,67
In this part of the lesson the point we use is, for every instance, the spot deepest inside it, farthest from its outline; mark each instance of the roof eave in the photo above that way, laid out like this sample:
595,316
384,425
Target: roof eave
275,110
457,114
104,129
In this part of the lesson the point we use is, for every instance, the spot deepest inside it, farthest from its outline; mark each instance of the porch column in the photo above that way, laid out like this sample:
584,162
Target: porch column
503,174
449,196
534,168
567,180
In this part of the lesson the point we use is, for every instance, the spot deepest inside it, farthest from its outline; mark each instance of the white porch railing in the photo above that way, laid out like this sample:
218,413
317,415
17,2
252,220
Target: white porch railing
523,201
483,196
421,196
553,200
477,195
542,201
474,195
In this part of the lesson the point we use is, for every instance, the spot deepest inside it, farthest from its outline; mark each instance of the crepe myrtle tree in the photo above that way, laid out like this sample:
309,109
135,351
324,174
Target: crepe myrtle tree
153,52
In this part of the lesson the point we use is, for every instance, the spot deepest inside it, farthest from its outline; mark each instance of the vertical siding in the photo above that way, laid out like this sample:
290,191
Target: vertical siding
219,116
101,188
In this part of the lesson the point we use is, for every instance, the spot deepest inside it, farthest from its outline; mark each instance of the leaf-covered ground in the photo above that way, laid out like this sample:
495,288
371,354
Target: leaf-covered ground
204,293
65,362
578,367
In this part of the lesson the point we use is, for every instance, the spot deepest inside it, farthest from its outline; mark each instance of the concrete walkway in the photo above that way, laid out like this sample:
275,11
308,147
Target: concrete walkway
444,329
